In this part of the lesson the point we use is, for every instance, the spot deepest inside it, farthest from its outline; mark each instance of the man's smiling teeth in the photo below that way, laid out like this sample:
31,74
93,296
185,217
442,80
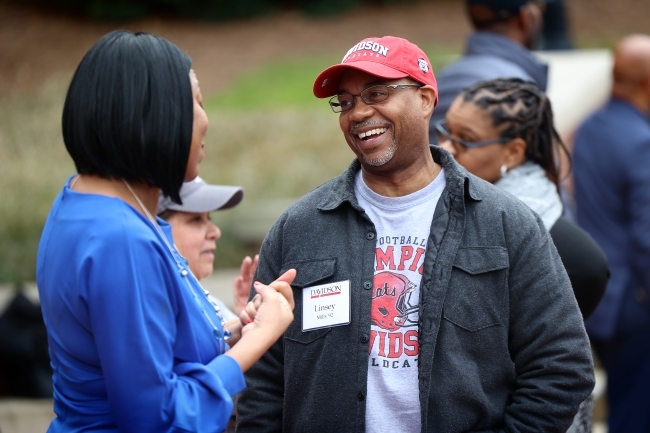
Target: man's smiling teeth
372,132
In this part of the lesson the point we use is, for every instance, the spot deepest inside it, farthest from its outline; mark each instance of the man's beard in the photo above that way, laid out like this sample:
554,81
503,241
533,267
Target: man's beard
382,159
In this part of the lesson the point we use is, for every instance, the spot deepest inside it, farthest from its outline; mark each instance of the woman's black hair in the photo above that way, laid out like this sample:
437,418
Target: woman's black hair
520,109
128,113
167,214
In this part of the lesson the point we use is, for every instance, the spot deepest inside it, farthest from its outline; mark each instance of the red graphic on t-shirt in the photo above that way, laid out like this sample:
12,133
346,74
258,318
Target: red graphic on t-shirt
408,256
391,301
394,344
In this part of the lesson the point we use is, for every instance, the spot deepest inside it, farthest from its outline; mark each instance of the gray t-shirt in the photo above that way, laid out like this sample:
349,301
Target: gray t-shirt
403,225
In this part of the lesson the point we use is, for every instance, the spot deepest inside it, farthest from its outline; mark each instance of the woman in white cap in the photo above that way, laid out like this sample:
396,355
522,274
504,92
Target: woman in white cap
195,235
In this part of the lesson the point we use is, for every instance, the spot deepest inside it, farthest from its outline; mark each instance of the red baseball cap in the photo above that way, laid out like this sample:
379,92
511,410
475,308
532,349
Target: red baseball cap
387,57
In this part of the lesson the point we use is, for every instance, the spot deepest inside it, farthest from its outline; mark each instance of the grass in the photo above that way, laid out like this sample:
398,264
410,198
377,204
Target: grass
282,84
288,84
34,164
267,133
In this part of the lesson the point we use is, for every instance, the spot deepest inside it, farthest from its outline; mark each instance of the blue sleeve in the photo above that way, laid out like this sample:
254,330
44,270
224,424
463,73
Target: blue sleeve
639,212
260,406
133,313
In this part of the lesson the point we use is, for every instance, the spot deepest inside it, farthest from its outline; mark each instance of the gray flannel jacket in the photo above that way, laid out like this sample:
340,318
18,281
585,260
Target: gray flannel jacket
502,342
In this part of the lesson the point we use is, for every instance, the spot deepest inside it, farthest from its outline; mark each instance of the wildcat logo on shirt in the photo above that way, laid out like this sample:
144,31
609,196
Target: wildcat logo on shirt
394,309
391,302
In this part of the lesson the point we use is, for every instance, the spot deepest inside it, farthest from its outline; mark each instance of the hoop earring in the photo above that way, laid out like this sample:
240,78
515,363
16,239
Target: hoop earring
504,170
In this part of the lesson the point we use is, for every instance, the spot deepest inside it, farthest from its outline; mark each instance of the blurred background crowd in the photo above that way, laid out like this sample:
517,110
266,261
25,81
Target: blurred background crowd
256,60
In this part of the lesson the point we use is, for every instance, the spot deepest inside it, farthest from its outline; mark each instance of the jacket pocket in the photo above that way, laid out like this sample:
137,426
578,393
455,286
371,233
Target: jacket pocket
308,273
476,297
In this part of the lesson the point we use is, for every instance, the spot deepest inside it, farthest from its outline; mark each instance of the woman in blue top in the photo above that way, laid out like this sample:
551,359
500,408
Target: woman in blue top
135,344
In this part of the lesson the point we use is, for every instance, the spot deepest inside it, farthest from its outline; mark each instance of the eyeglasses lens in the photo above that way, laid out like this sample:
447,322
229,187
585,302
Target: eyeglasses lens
371,95
442,132
375,94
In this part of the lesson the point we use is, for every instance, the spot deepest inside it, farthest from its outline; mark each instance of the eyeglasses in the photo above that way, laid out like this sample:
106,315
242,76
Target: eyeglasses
443,134
371,95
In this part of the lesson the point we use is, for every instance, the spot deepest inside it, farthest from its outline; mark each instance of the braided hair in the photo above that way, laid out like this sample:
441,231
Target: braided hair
521,110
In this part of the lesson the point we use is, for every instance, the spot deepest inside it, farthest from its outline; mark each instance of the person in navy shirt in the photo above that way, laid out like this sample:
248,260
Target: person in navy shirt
612,193
500,47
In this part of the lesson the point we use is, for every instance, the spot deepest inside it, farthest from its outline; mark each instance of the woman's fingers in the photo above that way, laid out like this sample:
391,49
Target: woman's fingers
250,310
242,283
287,277
244,317
283,286
274,305
253,267
245,267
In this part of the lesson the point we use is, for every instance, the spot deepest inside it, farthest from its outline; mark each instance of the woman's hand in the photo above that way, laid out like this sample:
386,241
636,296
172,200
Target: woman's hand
264,319
272,306
241,285
247,315
234,326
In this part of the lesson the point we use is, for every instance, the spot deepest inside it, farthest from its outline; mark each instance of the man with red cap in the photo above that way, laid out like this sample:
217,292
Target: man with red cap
426,299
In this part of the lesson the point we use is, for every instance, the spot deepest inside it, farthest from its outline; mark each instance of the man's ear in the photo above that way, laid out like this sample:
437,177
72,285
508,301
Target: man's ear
515,152
429,98
645,85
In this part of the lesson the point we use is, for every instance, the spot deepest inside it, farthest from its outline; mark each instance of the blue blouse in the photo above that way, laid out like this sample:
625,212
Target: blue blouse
130,342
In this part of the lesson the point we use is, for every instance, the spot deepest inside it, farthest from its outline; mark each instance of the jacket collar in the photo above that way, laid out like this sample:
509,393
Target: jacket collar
493,44
626,105
459,182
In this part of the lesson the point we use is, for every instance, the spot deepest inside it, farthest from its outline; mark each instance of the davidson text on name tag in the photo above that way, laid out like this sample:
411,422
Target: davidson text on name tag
326,305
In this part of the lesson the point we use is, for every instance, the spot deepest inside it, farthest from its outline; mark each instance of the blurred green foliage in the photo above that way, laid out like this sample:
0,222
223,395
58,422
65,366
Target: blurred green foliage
280,84
34,164
267,133
288,83
211,10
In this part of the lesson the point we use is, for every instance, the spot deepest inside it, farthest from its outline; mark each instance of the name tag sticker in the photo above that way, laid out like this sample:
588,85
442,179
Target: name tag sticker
326,305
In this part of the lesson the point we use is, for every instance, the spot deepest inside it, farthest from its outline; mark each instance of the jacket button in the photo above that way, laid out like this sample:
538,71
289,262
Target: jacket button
367,285
360,396
364,338
370,236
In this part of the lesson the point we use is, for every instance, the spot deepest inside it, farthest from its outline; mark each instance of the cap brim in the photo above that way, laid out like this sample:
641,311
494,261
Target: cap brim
207,198
214,197
327,82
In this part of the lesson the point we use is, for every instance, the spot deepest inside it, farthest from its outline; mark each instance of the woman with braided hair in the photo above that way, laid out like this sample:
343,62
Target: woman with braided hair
502,131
